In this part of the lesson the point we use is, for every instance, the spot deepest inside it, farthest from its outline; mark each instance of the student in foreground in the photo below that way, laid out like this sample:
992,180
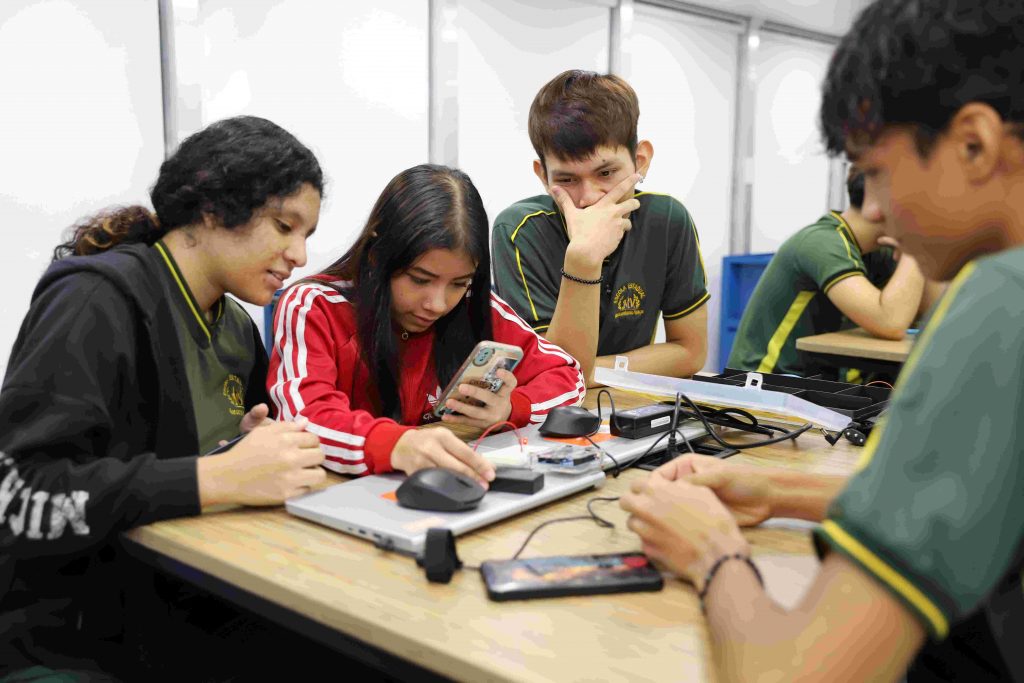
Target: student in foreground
363,349
923,547
592,264
835,268
131,362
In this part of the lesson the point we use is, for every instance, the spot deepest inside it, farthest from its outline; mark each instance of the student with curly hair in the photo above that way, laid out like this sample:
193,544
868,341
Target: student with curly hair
130,363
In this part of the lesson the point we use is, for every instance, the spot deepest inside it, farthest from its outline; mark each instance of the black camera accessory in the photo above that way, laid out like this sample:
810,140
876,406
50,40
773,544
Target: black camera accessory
439,559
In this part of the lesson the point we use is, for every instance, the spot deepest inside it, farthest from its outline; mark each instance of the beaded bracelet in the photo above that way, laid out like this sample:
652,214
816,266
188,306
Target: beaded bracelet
581,280
714,570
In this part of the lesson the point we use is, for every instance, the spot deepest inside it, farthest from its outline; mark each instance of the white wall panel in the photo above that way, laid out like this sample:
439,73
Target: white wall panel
81,127
348,79
684,73
507,51
790,168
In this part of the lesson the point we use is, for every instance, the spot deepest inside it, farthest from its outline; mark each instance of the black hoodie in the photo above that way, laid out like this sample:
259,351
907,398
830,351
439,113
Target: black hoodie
98,435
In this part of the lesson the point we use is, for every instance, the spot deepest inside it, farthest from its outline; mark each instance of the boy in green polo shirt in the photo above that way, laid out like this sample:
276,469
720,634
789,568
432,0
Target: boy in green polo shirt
923,547
833,269
592,264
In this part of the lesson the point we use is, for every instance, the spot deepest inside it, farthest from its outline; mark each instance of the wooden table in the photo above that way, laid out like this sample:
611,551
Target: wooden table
377,606
856,348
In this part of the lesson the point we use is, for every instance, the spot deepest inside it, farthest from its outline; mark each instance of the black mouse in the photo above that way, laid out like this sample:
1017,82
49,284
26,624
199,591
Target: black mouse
570,421
440,490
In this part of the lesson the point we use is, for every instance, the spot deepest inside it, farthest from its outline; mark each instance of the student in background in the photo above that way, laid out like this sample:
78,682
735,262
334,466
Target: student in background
132,361
833,269
923,547
592,264
363,349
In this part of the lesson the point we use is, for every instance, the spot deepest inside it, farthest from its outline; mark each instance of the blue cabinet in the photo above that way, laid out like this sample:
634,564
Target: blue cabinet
739,277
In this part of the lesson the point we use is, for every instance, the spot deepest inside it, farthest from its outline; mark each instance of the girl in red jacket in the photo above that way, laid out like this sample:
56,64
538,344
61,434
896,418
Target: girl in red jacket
363,349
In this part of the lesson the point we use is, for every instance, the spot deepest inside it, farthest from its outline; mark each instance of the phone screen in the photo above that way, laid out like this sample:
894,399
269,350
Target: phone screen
570,575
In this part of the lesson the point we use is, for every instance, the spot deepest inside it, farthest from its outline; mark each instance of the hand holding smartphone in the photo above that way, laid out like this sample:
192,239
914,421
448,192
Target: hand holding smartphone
480,369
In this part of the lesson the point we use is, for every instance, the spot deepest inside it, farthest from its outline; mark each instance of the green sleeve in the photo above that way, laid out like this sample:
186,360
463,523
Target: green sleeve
523,277
936,512
827,257
685,280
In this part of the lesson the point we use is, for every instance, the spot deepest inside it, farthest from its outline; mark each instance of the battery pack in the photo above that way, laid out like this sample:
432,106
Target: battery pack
517,480
637,423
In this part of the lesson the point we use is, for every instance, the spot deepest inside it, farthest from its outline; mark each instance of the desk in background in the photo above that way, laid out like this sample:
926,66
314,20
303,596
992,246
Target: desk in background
379,608
858,349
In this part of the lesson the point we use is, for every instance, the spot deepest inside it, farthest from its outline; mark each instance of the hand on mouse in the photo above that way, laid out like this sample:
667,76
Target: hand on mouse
496,406
418,449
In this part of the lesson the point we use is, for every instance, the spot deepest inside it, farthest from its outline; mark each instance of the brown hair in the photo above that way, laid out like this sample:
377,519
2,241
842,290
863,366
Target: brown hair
578,111
110,227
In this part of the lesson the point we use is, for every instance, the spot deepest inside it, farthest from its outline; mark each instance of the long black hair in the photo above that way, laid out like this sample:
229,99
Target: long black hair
228,170
422,208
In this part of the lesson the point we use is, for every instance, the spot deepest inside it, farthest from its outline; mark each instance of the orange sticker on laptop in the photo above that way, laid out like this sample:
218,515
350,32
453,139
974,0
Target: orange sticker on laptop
390,495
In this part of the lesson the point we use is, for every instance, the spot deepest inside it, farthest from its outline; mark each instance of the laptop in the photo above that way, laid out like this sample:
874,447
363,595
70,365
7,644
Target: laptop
622,451
366,507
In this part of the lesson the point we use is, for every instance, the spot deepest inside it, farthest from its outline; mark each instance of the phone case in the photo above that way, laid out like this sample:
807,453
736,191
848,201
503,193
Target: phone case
552,577
480,368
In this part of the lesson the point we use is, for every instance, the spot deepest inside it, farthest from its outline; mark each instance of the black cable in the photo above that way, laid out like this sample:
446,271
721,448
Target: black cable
592,516
786,436
605,392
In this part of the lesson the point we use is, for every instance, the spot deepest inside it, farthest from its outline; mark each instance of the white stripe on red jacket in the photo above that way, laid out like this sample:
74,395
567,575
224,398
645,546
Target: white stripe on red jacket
317,371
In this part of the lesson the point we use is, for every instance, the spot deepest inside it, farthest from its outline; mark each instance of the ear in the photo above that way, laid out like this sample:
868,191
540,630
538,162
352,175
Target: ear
977,132
542,176
644,155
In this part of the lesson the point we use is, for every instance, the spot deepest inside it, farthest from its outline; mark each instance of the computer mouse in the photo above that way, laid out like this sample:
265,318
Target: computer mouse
440,490
570,421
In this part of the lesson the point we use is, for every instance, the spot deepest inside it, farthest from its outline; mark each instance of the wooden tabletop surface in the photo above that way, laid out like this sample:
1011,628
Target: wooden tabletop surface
384,599
857,343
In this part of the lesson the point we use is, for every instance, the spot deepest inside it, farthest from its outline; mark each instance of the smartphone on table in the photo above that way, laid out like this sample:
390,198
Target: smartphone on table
480,369
552,577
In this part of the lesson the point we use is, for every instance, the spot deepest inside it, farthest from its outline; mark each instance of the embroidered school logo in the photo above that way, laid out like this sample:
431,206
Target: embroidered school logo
629,300
234,392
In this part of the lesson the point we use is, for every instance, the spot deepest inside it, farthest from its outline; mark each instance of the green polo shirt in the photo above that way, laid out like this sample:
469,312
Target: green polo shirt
935,511
218,357
656,269
791,298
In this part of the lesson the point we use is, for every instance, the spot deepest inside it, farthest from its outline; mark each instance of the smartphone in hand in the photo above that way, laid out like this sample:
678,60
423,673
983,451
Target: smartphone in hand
480,369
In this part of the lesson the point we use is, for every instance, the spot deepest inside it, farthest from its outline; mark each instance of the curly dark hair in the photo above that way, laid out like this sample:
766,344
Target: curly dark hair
917,62
228,170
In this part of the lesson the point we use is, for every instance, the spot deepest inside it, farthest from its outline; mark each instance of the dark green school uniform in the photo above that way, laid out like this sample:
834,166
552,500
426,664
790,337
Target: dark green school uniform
218,357
935,511
656,269
791,298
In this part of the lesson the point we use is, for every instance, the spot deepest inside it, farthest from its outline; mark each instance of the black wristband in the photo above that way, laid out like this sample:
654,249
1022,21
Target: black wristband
581,280
714,570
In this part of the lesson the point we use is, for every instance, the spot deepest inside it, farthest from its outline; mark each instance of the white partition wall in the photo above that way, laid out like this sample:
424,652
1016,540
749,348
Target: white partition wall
81,127
348,79
684,71
506,52
790,167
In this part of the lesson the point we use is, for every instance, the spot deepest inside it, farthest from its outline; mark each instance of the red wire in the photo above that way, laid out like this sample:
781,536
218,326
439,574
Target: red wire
878,381
519,437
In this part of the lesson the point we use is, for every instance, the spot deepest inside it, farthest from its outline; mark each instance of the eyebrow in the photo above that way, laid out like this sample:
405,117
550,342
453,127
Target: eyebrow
426,272
604,164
